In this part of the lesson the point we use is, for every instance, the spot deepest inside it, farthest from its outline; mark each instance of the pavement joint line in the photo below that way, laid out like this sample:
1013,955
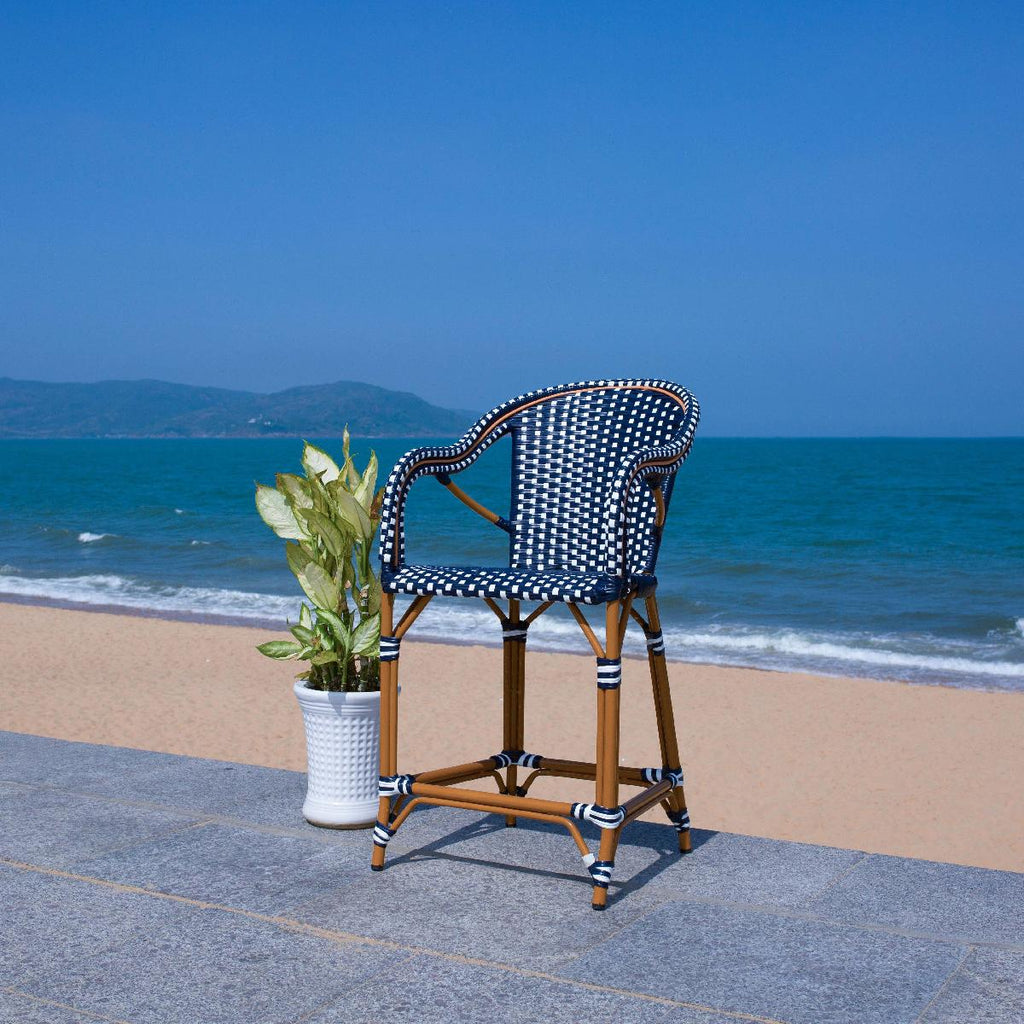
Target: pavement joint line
309,832
667,896
332,935
334,1000
156,837
12,991
841,875
942,988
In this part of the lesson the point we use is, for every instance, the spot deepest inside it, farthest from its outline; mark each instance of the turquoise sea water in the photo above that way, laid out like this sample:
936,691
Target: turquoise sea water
897,559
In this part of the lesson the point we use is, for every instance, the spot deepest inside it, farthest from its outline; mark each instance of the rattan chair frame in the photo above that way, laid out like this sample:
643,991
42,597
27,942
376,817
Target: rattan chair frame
652,467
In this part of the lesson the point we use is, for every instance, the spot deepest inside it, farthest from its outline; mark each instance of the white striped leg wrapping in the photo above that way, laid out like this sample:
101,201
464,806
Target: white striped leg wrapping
601,872
609,673
382,834
519,757
395,785
657,774
681,820
514,634
602,817
389,648
656,643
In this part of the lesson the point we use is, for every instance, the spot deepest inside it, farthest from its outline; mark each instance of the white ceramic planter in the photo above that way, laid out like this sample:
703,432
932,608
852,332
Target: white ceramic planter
343,749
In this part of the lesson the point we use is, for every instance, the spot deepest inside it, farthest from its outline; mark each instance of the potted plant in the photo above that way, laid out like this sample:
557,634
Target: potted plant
328,519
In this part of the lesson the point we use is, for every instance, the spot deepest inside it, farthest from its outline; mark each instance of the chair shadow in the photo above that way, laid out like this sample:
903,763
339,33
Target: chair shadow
660,839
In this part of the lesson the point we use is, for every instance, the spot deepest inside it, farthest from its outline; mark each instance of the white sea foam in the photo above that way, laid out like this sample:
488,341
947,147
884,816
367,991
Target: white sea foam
121,592
1020,626
194,543
462,622
89,538
733,646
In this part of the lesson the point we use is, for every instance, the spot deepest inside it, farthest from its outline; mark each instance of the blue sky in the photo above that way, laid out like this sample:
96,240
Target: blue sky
810,214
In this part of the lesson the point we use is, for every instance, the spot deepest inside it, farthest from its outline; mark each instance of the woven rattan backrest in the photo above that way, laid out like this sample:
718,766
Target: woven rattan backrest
566,451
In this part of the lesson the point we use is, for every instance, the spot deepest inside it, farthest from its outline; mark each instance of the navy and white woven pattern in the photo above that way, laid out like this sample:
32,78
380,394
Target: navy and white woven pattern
582,455
519,757
389,646
382,834
657,774
514,634
601,872
681,820
395,785
602,817
656,642
609,673
518,584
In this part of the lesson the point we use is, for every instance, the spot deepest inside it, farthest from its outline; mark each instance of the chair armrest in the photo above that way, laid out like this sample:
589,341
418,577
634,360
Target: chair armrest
439,461
661,461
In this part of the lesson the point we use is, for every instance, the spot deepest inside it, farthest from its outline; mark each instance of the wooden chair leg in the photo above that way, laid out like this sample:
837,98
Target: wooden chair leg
607,760
514,737
666,722
388,731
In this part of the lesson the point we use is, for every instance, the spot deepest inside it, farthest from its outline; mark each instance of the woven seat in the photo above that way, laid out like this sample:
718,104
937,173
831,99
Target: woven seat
593,472
515,584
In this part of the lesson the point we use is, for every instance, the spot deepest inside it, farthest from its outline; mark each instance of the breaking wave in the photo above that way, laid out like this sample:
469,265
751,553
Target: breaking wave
921,659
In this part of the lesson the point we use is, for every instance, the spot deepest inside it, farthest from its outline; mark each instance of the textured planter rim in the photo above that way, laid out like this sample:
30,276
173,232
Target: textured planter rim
333,811
335,697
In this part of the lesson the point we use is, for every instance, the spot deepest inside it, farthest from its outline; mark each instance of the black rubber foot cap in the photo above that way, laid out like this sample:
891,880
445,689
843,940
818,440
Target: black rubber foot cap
373,867
598,906
685,853
510,824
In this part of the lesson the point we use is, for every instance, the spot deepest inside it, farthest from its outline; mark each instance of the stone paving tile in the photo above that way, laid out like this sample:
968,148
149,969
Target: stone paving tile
199,786
527,918
234,866
16,1009
743,869
988,989
433,990
211,967
83,767
48,922
784,968
267,796
52,828
970,904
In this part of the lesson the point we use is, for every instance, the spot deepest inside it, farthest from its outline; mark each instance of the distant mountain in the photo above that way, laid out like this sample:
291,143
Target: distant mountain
154,408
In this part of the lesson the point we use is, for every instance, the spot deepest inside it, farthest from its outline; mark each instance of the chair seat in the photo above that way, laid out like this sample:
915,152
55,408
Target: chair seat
514,584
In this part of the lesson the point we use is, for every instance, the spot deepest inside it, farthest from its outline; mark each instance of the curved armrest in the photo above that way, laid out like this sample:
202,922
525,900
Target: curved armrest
439,461
660,462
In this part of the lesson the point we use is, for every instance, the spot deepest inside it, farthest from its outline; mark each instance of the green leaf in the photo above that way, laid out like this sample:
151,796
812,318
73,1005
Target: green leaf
373,595
337,624
318,586
305,616
332,537
324,658
318,463
352,512
277,514
282,650
364,490
301,633
298,558
295,489
366,637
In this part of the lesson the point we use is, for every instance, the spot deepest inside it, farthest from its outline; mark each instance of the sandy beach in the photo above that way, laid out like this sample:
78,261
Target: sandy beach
917,771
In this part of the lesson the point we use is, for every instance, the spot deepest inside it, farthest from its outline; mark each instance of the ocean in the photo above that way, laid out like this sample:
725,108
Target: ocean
887,558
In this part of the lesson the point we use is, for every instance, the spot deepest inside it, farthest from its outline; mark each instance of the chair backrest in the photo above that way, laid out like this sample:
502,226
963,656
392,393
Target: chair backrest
568,444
